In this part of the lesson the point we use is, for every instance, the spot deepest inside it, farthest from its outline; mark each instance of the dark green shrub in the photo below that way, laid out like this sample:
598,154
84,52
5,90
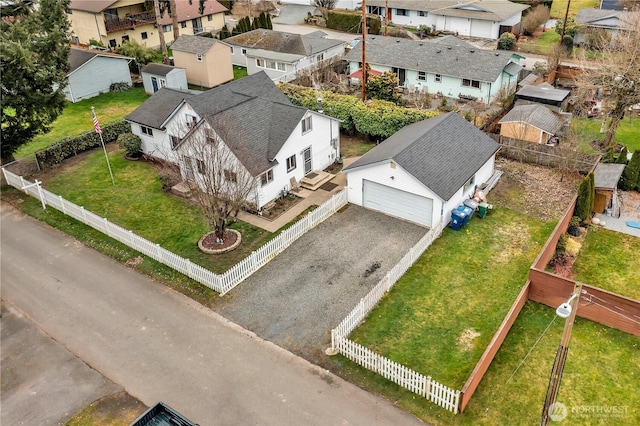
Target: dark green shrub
130,143
622,158
586,198
575,221
507,41
561,247
571,28
383,87
351,22
121,86
567,42
70,147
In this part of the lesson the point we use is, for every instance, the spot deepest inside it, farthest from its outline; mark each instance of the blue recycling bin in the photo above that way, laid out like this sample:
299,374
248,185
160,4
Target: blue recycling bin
468,212
458,219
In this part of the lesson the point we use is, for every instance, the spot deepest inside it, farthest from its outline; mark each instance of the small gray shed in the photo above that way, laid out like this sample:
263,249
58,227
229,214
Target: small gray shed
606,177
157,76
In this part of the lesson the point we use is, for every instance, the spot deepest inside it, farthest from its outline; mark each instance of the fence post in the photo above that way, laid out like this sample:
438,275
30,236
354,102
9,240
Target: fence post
428,390
62,203
106,226
84,216
133,239
158,253
189,268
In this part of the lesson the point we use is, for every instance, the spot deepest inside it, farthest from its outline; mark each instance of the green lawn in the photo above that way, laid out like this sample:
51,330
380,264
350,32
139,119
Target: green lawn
464,283
239,72
138,203
609,260
76,117
543,44
588,129
559,7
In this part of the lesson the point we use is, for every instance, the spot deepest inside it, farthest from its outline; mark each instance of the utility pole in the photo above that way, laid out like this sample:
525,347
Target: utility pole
561,354
564,24
386,15
364,56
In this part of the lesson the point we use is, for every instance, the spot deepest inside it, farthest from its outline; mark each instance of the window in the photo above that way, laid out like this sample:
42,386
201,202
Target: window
266,177
281,67
469,183
402,12
144,35
191,121
471,83
230,175
244,51
146,130
233,52
163,82
199,57
174,141
271,65
306,124
75,39
376,10
125,39
166,28
291,163
209,135
183,24
422,13
209,18
422,75
112,42
438,78
320,57
202,168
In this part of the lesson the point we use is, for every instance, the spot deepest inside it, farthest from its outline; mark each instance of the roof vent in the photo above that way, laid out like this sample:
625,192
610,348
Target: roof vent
421,44
448,47
472,50
497,54
438,51
398,41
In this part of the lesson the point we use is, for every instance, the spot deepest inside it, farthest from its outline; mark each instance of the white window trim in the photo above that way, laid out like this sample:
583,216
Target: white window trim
291,165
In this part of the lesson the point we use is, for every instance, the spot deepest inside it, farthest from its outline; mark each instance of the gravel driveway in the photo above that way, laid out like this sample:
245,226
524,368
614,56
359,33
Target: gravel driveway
297,298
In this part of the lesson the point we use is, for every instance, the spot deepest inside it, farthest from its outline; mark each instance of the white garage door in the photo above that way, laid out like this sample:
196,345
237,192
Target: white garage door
396,202
481,28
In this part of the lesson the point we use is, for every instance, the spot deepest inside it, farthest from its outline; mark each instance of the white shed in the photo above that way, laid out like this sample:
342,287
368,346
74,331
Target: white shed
156,76
423,171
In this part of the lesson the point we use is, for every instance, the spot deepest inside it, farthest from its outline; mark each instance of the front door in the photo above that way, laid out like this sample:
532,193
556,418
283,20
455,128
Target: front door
307,160
154,83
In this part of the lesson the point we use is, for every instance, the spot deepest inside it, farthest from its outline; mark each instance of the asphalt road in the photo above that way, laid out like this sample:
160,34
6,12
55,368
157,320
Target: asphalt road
160,345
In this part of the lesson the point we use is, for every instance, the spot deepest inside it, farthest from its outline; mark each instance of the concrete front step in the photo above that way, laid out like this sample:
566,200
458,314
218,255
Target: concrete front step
315,180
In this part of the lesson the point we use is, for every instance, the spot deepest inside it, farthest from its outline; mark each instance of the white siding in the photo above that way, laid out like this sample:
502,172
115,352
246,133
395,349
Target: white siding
95,77
381,173
396,202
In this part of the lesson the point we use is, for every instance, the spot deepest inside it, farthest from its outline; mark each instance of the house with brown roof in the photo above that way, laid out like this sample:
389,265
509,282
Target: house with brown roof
113,22
206,60
280,54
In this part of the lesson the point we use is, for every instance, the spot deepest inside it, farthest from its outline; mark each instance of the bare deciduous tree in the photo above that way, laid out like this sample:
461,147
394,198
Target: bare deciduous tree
616,73
218,182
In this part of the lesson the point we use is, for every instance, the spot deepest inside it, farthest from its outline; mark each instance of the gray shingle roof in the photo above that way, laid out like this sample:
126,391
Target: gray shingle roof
282,42
588,16
491,10
542,92
79,57
158,69
459,60
607,175
443,152
155,110
261,118
193,44
535,115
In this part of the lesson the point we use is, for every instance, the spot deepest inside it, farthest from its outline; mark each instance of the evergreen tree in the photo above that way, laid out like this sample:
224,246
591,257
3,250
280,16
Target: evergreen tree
591,200
622,158
584,203
631,174
224,33
35,60
269,24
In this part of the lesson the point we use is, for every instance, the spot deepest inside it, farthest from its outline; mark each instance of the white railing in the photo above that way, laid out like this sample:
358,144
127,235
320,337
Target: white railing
221,283
415,382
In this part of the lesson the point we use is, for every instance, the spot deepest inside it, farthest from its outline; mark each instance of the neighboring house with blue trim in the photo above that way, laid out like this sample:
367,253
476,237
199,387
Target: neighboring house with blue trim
92,73
476,18
275,141
446,66
156,76
281,55
610,21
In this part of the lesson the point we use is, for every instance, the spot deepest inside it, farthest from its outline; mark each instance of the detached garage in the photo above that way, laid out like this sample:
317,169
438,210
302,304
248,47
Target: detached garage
423,171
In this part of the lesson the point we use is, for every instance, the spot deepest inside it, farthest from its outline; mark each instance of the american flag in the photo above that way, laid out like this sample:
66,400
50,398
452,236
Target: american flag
96,123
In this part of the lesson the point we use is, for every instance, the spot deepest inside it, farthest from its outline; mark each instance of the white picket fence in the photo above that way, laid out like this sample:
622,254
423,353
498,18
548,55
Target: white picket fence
422,385
221,283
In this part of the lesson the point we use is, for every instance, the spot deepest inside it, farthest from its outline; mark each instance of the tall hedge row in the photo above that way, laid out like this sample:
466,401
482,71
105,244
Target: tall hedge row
69,147
376,119
350,21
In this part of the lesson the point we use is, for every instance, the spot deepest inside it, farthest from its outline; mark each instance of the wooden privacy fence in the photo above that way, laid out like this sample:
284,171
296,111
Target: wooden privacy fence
397,373
545,155
221,283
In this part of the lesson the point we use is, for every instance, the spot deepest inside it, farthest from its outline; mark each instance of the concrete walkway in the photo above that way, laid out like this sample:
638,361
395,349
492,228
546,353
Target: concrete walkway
629,211
310,198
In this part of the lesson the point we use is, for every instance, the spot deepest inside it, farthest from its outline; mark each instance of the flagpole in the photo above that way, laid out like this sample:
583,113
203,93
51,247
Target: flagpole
96,126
